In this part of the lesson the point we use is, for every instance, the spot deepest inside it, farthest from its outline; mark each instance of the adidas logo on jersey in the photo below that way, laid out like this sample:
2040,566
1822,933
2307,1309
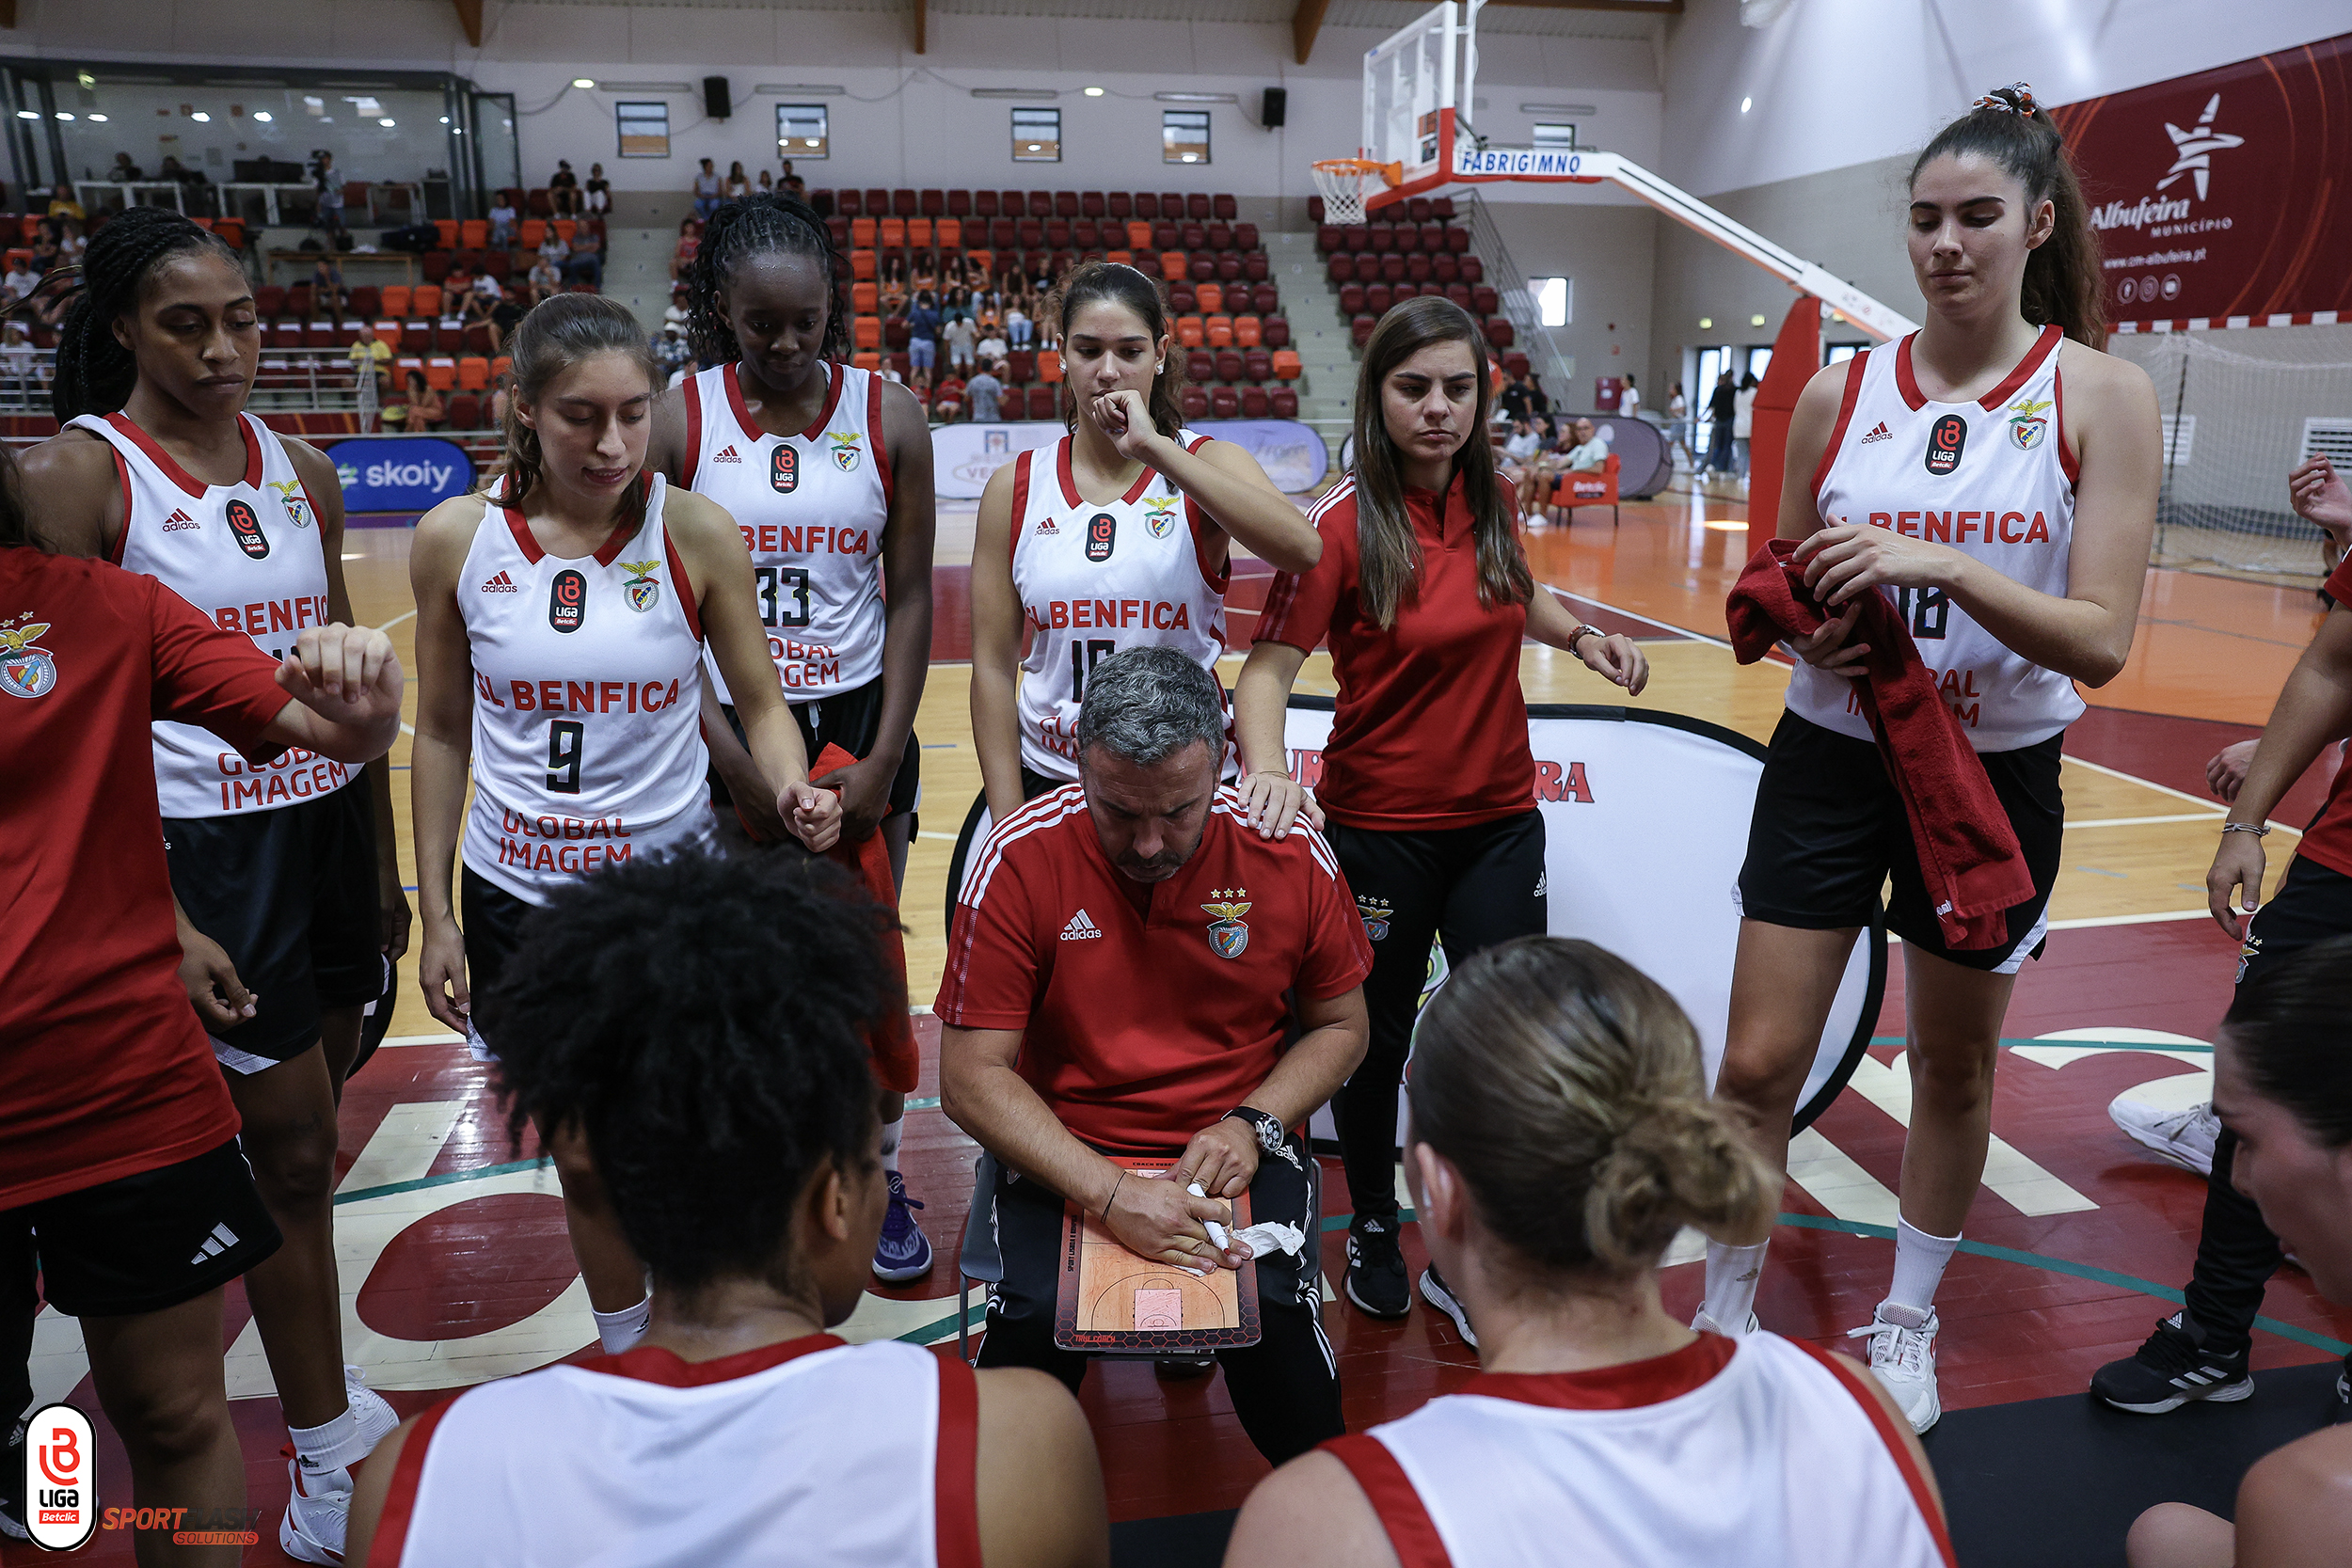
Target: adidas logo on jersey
1880,433
221,1240
727,456
502,583
1081,930
1044,529
178,520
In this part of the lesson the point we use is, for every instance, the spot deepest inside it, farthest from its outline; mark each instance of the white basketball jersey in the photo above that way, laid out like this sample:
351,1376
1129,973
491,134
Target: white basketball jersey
811,1453
812,508
249,556
1774,1460
1093,579
587,712
1992,478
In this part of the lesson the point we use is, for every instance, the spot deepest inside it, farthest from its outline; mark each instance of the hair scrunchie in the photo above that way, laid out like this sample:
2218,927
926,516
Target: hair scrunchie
2020,102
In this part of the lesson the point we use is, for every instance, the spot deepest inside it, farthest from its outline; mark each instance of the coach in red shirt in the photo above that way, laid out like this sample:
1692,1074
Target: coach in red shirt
1127,961
118,1161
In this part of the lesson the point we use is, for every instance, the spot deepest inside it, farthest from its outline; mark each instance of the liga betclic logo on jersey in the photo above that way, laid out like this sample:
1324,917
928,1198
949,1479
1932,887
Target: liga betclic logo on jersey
60,1493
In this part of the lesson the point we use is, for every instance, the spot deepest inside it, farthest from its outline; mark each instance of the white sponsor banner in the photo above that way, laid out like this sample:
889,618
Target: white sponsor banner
964,455
1646,825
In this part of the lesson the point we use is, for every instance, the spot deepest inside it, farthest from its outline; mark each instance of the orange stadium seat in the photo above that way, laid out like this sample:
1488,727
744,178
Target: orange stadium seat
861,233
1212,297
861,264
865,332
894,234
565,228
534,233
474,234
440,374
867,360
920,234
950,233
1248,331
1048,366
424,302
865,298
1190,332
1138,234
1171,264
1221,331
474,374
447,230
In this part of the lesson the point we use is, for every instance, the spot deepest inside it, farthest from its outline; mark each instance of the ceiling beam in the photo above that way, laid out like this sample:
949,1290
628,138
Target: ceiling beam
1306,24
469,18
922,25
1643,8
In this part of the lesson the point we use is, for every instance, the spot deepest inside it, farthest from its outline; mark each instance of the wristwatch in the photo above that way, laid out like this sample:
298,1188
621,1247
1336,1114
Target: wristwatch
1578,635
1272,1135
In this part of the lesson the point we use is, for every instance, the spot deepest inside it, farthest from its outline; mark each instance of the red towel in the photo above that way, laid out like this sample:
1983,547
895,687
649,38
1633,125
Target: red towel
1968,853
898,1065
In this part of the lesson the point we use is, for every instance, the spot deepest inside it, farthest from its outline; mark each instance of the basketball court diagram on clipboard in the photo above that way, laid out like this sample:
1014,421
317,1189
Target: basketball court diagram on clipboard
1646,825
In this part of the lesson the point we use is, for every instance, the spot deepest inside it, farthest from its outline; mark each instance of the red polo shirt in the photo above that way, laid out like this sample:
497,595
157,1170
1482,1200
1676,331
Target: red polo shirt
1142,1027
104,1068
1431,728
2329,840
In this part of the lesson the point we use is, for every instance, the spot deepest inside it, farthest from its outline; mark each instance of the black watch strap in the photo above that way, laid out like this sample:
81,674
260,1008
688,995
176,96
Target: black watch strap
1269,1128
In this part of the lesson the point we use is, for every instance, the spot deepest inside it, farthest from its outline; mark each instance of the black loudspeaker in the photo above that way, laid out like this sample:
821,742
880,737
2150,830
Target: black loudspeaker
718,103
1277,106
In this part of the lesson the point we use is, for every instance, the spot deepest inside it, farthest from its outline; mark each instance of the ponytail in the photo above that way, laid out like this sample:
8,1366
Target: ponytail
2062,284
95,373
1122,285
558,333
1564,1085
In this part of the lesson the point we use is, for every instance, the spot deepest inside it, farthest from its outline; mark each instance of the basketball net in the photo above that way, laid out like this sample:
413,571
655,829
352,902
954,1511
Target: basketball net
1345,182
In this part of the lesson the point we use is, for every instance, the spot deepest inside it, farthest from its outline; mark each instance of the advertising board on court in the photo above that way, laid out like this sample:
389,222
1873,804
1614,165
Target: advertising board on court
402,473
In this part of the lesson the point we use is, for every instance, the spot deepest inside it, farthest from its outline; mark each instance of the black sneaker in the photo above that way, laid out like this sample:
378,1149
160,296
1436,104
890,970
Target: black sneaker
1433,1290
2171,1368
1375,1267
11,1484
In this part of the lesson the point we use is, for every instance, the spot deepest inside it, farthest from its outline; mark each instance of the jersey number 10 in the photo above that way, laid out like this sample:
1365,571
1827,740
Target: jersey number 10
777,583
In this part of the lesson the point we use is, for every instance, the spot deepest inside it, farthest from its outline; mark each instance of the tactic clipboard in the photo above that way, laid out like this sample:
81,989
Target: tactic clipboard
1111,1301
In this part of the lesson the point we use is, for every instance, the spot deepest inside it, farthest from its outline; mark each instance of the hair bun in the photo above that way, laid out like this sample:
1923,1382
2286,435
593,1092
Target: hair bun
2016,99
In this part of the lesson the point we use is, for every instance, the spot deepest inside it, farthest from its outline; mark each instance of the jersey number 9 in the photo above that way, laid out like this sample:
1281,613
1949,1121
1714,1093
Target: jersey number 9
565,739
782,596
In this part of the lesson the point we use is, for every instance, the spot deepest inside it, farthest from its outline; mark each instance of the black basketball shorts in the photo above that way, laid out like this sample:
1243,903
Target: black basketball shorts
849,720
143,1243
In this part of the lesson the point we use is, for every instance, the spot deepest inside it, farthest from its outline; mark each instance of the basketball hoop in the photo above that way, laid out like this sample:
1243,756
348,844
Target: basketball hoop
1345,182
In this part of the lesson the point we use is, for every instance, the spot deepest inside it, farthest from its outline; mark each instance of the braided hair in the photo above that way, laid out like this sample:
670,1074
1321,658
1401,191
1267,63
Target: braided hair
95,374
759,225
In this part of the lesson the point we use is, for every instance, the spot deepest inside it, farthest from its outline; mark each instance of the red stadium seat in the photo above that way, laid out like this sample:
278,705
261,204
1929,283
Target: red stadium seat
1360,329
269,301
1224,402
849,203
877,203
1041,205
1066,205
1057,236
1086,234
1254,267
1182,299
1277,331
1341,268
365,302
1244,236
1040,401
1457,241
1379,297
1020,364
1499,332
1484,300
1358,237
821,202
905,204
1030,233
1256,365
1229,364
1253,403
1146,206
1417,208
1203,267
1265,298
1473,270
1282,402
1223,206
1441,208
934,204
1091,205
1417,268
1392,268
1444,267
1196,402
984,204
1351,299
1516,363
1119,205
1199,366
1316,211
1198,207
959,204
1330,237
1459,294
1172,206
1195,236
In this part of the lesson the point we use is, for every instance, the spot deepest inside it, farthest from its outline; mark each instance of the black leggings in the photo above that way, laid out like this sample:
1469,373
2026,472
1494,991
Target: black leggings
1471,887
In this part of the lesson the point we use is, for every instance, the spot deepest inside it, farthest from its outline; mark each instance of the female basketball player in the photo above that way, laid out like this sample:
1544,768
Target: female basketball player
827,471
2282,1084
1427,780
1145,564
560,633
1999,404
280,865
1560,1136
705,1021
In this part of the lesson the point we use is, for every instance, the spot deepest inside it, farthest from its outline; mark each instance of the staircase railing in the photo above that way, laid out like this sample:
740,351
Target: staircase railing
1532,337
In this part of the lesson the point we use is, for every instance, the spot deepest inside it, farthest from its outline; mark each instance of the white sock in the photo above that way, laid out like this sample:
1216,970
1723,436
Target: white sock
892,1131
1731,1276
332,1446
1919,1261
620,1331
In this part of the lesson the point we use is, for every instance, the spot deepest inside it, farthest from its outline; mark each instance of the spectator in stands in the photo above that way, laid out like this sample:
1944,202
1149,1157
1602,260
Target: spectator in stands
1583,451
124,170
326,287
330,188
372,354
480,306
738,184
1517,398
554,250
545,278
984,389
20,366
947,397
923,338
961,333
766,184
501,390
587,262
1520,453
708,190
44,251
928,273
794,186
690,239
63,205
991,348
599,190
675,313
71,243
1743,420
424,407
672,351
893,284
563,190
1016,323
502,220
21,278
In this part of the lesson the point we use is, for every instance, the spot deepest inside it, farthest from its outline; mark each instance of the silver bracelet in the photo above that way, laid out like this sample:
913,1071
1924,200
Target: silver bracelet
2256,828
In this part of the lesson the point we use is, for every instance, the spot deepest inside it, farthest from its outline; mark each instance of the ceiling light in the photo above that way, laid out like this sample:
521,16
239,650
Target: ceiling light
1570,109
388,124
1035,148
62,114
1755,320
1706,324
1094,92
85,79
1198,97
28,113
96,120
1047,94
802,89
261,115
1744,102
445,120
202,118
813,141
584,84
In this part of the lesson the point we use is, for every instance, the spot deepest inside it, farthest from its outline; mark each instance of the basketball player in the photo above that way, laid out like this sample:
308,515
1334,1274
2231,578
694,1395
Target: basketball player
2002,406
159,470
1428,781
119,1162
705,1022
2282,1087
1146,564
560,633
1560,1136
827,471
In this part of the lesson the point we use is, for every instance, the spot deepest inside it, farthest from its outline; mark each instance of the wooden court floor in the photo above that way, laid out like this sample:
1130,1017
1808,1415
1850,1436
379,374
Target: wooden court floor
456,1268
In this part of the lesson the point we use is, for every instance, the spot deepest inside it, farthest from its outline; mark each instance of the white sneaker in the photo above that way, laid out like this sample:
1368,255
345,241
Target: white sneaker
1902,1356
1702,1323
376,1417
317,1515
2184,1139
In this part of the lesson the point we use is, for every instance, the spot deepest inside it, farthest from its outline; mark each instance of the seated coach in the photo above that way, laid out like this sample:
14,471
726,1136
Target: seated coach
1128,957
